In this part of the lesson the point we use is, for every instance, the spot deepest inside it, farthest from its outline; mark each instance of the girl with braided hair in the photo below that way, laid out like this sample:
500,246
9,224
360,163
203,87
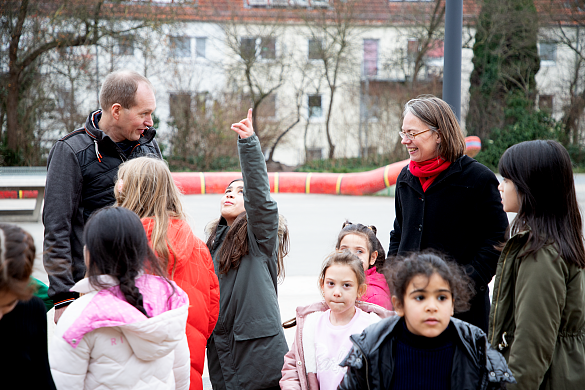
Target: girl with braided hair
128,328
23,323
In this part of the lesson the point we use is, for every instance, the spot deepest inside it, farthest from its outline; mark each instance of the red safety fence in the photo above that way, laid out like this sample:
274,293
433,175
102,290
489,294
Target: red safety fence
361,183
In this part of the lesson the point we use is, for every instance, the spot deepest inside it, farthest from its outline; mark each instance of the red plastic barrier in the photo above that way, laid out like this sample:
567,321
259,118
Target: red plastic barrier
18,194
361,183
297,182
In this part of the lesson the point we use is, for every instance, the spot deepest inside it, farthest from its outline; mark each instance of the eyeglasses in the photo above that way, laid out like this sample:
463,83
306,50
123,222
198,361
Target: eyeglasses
411,136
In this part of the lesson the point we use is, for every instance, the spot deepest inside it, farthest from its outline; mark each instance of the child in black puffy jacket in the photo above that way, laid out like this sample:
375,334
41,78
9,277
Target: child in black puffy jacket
424,347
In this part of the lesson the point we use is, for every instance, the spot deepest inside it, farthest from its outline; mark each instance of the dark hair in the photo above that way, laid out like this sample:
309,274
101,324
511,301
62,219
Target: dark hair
17,256
347,258
403,269
235,244
369,233
117,246
543,176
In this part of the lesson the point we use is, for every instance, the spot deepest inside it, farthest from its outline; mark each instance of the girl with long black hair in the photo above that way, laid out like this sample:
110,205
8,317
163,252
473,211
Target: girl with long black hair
127,330
247,244
537,319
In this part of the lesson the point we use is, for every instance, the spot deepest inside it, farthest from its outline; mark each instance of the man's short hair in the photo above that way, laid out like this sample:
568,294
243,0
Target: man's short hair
120,87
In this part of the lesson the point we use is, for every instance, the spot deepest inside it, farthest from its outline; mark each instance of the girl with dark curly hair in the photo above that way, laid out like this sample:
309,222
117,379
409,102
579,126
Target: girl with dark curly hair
424,347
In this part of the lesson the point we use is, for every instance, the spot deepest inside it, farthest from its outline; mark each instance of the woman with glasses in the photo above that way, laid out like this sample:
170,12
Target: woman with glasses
447,201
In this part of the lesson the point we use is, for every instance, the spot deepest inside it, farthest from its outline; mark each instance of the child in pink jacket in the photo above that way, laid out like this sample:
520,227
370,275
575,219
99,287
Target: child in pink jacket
361,240
323,328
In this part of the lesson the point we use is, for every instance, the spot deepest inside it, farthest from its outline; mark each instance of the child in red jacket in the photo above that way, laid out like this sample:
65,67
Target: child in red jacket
361,240
145,186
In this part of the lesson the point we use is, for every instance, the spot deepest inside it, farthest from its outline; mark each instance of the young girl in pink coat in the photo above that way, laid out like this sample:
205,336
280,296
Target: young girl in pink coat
361,240
323,328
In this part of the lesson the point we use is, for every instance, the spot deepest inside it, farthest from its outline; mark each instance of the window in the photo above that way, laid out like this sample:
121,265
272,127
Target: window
314,154
315,109
370,57
257,3
64,98
287,3
125,45
267,108
180,105
545,103
412,48
548,53
315,49
268,48
200,47
180,46
435,53
248,48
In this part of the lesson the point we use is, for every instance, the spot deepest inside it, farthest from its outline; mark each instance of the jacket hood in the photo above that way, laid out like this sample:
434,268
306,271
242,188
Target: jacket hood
92,129
179,233
375,278
150,338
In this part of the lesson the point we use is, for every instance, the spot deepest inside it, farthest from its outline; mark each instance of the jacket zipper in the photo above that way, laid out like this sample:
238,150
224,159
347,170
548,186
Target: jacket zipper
498,296
366,363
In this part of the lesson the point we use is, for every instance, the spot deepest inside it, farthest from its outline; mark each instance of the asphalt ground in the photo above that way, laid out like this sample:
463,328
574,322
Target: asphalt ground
314,222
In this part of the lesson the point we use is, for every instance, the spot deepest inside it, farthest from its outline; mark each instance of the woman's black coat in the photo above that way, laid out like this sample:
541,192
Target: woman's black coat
476,366
460,215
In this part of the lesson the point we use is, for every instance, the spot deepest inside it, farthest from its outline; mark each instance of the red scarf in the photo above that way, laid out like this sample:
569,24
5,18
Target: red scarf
427,171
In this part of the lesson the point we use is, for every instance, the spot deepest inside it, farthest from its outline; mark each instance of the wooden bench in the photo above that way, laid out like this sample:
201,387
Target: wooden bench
23,179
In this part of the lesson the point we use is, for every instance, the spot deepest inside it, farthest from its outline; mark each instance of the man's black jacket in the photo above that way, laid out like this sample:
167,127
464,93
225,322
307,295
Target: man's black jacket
81,171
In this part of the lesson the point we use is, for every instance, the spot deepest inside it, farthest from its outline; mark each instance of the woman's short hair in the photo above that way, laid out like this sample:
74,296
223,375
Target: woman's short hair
439,117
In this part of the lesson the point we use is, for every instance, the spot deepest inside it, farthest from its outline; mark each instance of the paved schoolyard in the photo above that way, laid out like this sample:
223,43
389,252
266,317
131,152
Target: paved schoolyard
314,222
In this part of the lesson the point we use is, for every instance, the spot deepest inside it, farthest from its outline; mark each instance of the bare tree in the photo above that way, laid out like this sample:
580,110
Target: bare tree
563,25
333,40
258,68
32,29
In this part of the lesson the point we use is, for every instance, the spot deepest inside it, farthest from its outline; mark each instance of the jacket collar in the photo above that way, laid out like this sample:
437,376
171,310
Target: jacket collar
380,332
92,129
303,311
455,168
84,286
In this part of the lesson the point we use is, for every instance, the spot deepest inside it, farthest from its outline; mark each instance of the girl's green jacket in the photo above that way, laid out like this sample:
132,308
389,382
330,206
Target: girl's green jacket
537,317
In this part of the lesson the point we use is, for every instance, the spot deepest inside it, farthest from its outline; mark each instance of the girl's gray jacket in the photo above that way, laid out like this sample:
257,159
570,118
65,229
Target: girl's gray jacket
248,338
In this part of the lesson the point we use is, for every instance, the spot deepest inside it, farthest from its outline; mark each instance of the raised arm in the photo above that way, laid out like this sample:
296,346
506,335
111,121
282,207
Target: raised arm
261,209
